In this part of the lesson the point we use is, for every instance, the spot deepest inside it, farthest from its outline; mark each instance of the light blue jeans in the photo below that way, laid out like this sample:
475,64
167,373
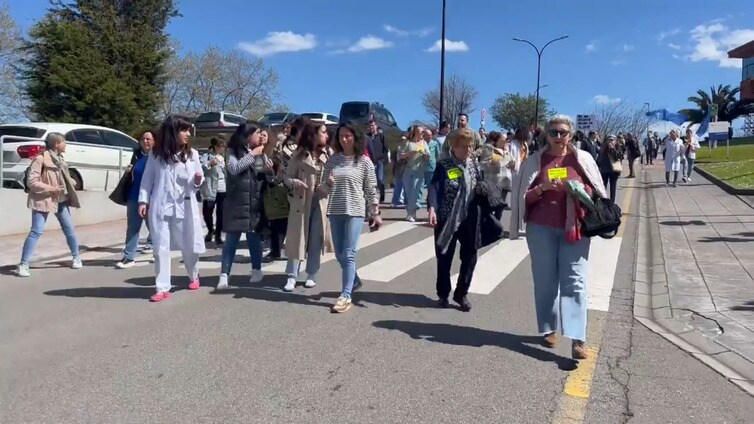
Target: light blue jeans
38,220
398,196
413,182
346,231
313,247
231,245
559,270
133,228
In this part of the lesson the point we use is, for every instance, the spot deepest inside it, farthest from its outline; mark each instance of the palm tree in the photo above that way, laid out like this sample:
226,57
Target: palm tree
724,96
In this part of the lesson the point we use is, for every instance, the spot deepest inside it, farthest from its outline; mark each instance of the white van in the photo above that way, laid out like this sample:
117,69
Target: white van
95,155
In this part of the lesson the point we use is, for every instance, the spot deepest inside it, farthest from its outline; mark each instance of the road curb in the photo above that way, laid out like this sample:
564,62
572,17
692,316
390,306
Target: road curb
652,303
722,184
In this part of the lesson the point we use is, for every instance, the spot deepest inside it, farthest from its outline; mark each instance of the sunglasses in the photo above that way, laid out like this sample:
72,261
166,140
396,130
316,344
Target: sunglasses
556,133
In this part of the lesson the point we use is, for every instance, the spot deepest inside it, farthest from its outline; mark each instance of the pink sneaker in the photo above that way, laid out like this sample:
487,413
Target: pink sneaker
157,297
194,285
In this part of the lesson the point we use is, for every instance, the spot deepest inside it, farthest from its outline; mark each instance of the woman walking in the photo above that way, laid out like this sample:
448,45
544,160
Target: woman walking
415,156
673,157
608,161
632,153
213,189
308,235
51,189
247,168
559,255
167,194
277,193
452,214
690,148
133,219
351,183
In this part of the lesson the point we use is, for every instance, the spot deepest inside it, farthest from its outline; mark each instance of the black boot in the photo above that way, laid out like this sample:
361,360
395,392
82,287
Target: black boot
463,303
218,238
208,237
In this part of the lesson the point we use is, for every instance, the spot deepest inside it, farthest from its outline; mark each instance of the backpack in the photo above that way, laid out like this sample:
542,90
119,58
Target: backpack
602,219
26,173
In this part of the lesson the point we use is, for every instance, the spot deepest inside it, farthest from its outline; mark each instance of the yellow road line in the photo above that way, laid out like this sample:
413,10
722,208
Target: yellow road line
579,382
625,207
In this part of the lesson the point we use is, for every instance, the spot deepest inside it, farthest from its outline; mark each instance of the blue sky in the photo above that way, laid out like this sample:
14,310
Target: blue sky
328,52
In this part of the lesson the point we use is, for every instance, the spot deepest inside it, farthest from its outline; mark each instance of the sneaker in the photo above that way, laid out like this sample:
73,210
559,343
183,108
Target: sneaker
410,219
23,270
158,297
685,180
688,180
222,284
310,283
77,264
341,305
256,276
290,284
146,249
443,303
125,263
675,185
463,303
194,284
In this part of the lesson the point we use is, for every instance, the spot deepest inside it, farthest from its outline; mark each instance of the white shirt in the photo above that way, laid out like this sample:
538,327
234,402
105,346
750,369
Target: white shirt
177,190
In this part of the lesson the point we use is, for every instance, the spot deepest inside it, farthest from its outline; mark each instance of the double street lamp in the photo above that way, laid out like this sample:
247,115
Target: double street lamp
539,69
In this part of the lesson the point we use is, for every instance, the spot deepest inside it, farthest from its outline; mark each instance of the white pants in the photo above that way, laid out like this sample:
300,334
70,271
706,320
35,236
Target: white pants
167,230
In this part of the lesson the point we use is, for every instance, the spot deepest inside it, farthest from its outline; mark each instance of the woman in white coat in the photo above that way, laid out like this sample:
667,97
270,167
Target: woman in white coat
673,153
171,179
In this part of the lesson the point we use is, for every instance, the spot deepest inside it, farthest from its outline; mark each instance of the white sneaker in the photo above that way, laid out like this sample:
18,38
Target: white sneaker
290,284
310,283
410,219
76,264
222,284
256,276
23,270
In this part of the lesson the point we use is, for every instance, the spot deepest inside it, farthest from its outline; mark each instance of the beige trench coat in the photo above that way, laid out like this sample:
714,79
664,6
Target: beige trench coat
44,177
301,167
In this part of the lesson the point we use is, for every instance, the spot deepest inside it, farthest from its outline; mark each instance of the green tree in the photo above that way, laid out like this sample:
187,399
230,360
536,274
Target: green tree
724,96
99,62
513,110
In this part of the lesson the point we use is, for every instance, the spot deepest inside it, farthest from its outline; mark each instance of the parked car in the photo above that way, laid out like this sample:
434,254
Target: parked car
95,155
277,119
360,113
217,122
325,118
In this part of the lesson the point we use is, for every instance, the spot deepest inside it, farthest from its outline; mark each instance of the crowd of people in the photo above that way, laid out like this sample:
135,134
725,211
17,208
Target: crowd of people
308,191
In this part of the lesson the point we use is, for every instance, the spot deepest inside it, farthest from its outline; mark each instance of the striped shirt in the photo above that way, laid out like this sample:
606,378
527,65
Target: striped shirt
354,186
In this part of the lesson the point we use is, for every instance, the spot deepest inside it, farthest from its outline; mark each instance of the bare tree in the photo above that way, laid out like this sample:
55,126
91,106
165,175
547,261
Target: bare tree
13,104
219,80
621,117
459,97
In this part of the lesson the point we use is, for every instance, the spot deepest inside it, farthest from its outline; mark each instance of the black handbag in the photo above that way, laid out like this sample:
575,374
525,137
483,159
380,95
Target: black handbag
120,194
603,219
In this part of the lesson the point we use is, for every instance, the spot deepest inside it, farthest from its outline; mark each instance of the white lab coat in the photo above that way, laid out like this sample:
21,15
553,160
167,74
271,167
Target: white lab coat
155,185
673,153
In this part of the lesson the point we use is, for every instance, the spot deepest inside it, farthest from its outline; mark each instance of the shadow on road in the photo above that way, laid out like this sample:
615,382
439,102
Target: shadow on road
105,292
396,300
748,306
682,223
475,337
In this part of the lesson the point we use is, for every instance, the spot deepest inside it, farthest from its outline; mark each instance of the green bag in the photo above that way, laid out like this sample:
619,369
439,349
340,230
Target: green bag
275,200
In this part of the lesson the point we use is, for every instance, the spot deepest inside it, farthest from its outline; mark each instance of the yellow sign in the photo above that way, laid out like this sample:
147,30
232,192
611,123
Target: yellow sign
419,148
557,173
454,173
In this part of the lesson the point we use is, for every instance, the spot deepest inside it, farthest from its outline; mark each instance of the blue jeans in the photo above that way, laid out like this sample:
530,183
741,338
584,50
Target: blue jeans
689,166
397,191
346,231
313,247
38,220
231,245
133,229
412,184
559,270
379,172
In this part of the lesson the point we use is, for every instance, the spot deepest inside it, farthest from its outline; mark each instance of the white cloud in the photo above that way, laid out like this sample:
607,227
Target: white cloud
591,47
665,34
713,41
450,46
602,99
674,46
279,42
369,42
403,33
628,47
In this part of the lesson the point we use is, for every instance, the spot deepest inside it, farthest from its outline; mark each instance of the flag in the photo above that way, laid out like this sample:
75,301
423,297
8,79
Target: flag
703,126
665,115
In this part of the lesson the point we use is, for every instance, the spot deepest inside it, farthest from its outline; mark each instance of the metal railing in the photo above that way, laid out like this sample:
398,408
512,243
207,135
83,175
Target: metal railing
72,164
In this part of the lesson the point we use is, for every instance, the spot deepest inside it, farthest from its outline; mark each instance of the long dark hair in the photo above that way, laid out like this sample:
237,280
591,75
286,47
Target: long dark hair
166,146
308,140
237,144
297,126
358,140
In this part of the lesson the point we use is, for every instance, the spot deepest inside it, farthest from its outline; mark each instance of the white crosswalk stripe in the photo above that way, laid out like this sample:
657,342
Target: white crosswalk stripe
495,264
400,262
603,261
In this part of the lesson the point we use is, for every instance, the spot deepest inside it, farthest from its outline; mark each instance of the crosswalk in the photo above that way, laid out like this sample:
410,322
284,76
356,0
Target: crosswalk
494,265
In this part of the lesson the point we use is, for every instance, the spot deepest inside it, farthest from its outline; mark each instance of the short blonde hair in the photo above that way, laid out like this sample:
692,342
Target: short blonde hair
562,120
462,136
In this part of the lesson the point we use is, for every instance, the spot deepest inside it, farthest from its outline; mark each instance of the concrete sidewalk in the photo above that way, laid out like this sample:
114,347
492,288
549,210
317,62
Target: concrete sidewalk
94,240
698,282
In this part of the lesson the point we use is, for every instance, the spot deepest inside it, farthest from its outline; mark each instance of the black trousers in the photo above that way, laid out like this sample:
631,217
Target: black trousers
278,228
465,236
208,207
612,178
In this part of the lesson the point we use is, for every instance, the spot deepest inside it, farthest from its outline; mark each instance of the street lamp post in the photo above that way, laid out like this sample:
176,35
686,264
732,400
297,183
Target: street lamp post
442,67
539,69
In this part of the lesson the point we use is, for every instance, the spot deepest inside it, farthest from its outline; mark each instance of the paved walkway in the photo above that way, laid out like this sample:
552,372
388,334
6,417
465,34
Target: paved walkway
707,242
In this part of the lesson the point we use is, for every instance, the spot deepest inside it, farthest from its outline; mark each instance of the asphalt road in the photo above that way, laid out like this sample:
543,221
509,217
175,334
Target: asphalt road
86,347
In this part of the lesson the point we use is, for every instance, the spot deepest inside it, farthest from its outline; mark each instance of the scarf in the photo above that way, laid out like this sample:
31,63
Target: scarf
62,165
574,214
460,205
